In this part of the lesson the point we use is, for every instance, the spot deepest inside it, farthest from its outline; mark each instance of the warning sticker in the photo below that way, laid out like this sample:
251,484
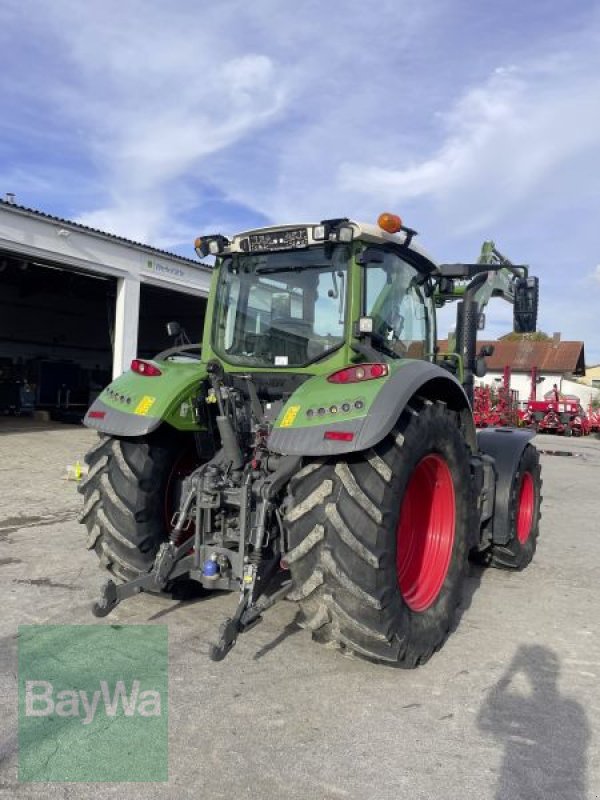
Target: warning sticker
145,404
289,416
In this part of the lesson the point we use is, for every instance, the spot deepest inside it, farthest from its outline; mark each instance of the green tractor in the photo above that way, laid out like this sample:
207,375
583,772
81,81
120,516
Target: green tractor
317,445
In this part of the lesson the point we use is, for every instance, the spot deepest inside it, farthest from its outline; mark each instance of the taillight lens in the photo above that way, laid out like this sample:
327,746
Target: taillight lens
339,436
145,368
361,372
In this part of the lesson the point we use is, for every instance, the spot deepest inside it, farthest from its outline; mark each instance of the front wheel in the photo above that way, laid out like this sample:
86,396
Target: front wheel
524,516
378,541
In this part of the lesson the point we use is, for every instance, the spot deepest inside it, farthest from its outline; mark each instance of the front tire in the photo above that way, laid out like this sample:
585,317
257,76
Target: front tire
129,497
378,540
524,514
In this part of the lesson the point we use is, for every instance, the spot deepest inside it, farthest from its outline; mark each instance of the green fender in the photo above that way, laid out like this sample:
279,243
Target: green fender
135,405
309,413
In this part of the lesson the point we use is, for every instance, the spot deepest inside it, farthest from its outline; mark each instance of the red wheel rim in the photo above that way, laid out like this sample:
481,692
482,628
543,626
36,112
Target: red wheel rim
425,533
525,508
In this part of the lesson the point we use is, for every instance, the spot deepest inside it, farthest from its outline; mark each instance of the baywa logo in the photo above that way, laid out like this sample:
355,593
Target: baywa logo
93,703
42,701
164,269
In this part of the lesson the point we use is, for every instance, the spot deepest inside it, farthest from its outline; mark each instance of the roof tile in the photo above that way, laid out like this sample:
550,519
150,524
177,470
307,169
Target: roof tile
549,356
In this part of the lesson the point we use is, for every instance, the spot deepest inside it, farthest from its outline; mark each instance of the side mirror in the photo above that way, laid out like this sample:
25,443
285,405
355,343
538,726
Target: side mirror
480,368
173,329
526,305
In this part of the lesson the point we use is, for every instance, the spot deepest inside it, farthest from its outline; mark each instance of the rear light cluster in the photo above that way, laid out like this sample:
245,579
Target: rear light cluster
361,372
145,368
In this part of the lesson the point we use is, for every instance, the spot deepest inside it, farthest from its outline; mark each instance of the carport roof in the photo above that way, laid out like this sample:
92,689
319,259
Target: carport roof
113,237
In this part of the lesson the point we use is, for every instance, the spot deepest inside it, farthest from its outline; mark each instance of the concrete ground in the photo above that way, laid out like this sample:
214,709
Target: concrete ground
509,708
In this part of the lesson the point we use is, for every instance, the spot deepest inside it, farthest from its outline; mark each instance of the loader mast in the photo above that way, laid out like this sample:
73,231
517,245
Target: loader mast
476,284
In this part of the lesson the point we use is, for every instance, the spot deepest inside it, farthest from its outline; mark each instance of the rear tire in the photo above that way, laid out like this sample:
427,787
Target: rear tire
129,497
378,540
525,502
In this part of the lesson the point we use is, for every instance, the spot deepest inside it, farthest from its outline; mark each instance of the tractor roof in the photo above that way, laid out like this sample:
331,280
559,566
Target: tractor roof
365,231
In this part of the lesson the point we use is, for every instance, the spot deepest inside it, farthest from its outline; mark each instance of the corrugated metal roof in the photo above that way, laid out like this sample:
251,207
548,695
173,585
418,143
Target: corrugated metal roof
112,236
550,356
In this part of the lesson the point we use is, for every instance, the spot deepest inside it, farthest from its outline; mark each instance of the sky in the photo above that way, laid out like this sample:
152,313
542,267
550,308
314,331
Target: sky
473,121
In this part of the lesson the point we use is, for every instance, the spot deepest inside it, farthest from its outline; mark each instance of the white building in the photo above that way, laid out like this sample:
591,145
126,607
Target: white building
557,362
77,304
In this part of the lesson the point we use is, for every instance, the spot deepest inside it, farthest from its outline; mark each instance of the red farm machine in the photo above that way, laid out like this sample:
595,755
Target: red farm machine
594,418
496,407
556,413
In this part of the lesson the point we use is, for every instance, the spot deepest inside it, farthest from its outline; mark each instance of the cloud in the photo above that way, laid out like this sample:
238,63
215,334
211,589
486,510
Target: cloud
501,141
153,97
160,123
252,102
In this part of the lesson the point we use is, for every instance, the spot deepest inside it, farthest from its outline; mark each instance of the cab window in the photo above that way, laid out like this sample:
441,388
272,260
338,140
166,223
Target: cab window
402,314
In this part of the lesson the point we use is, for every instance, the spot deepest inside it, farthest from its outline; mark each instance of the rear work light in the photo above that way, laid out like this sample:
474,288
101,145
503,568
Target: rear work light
145,368
361,372
339,436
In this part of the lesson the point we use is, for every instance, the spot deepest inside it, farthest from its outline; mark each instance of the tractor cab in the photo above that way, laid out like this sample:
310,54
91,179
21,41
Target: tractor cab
317,296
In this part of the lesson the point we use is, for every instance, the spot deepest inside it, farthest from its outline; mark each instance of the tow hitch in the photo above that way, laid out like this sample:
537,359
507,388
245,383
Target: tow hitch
190,557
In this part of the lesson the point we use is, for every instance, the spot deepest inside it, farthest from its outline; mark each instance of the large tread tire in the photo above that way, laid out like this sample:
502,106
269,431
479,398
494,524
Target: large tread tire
341,521
124,506
518,553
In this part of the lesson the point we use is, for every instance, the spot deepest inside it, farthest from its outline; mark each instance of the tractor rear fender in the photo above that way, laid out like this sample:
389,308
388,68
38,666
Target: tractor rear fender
135,405
295,435
505,446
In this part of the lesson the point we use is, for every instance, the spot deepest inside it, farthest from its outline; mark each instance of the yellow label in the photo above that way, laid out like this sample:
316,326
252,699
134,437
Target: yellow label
289,416
145,404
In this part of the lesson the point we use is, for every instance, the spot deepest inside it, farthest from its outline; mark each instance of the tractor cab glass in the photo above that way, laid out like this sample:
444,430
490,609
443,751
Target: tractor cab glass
283,309
401,312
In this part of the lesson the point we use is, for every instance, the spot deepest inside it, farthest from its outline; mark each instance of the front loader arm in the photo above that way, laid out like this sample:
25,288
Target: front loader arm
475,285
492,276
